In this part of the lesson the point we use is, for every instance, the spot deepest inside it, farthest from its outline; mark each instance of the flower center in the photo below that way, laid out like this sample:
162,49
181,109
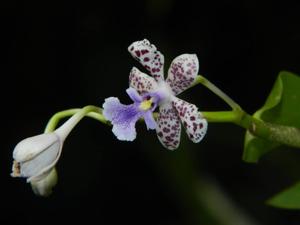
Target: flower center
146,104
164,91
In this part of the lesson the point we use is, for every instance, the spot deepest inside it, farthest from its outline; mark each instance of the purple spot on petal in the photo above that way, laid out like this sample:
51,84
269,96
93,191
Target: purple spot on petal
166,130
144,51
138,53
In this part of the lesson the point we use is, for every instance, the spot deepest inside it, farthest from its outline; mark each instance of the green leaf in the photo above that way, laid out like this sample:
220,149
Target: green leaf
288,199
281,107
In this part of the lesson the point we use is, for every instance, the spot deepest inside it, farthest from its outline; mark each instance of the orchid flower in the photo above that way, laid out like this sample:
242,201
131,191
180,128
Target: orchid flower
172,110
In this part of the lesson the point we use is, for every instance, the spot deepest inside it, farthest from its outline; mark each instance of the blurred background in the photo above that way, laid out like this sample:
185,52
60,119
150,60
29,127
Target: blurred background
60,56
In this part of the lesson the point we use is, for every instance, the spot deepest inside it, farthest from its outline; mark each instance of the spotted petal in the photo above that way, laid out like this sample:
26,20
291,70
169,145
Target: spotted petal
141,81
194,123
182,72
168,127
147,54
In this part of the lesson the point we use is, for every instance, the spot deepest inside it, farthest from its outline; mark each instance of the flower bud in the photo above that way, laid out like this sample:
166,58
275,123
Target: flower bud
35,156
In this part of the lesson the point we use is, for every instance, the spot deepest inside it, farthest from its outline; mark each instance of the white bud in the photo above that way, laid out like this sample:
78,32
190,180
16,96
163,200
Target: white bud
35,156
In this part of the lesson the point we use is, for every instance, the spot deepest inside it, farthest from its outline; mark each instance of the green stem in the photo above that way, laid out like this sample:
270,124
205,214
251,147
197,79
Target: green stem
90,111
272,132
221,116
202,80
286,135
218,117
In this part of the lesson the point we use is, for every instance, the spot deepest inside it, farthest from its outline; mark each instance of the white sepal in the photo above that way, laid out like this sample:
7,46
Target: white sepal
36,156
43,186
30,147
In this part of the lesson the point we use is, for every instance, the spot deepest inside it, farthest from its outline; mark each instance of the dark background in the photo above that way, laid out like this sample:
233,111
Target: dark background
60,56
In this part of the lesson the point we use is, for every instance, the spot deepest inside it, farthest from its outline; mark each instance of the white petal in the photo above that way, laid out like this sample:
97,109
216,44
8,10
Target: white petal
147,54
182,72
168,127
195,125
39,163
44,185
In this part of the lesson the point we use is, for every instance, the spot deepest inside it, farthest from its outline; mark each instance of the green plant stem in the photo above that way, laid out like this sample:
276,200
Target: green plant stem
205,82
216,117
286,135
90,111
272,132
220,116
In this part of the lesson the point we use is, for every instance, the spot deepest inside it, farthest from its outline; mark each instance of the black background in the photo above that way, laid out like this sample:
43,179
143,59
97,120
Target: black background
60,56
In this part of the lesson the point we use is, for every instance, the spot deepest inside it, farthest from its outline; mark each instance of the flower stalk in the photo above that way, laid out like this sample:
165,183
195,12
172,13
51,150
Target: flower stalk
205,82
286,135
90,111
